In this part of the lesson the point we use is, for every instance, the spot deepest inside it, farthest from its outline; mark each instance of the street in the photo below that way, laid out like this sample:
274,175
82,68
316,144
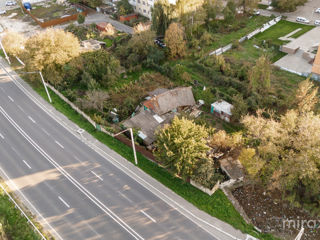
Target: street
79,193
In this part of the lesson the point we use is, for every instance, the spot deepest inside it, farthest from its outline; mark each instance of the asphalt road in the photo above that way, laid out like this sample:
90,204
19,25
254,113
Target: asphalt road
75,192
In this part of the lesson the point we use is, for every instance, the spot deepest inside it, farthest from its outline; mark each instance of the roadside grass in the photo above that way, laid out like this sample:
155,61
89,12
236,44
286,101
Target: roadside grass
216,205
13,224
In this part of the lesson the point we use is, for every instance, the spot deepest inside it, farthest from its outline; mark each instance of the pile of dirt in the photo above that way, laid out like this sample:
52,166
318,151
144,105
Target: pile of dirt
272,215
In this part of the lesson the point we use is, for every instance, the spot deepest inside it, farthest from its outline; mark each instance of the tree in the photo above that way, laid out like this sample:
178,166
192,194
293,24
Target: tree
141,27
240,107
287,5
50,47
90,3
124,7
13,43
288,157
181,146
161,16
260,76
81,18
248,5
174,40
306,96
230,12
94,100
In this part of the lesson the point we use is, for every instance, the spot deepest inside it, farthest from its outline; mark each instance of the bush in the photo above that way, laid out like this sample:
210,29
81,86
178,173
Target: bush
81,18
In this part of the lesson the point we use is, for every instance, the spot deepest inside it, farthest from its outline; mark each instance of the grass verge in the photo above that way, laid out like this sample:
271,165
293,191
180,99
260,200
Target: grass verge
13,224
216,205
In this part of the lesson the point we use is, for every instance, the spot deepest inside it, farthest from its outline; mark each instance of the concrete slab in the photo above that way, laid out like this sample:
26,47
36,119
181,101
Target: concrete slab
306,41
295,63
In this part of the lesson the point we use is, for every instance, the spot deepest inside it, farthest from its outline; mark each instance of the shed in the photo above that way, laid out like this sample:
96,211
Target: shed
222,109
103,26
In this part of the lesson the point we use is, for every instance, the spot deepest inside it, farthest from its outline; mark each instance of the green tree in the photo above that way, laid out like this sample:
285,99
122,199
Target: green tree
81,18
124,7
174,40
161,16
287,5
230,12
181,146
260,76
90,3
240,107
248,5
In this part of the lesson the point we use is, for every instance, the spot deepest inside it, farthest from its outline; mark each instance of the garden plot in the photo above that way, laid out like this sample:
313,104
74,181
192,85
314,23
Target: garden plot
45,11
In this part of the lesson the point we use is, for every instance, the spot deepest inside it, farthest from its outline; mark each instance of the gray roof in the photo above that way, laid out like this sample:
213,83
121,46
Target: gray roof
171,99
148,122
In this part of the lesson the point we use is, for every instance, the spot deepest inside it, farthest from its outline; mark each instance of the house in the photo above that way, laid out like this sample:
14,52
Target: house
222,109
160,108
91,44
316,66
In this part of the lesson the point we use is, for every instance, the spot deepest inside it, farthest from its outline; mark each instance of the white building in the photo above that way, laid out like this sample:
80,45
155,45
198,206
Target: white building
222,109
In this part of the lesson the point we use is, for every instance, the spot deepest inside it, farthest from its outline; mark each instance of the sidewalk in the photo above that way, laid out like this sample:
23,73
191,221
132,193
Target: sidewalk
214,226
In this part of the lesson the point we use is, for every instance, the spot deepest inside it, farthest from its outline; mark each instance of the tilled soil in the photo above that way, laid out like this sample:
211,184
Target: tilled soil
271,214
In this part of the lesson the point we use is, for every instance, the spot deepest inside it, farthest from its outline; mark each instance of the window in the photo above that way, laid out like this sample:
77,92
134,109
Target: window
144,10
144,3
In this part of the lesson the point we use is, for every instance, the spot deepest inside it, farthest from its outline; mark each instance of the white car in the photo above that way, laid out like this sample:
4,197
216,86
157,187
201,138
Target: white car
10,3
256,12
3,12
317,10
317,22
302,19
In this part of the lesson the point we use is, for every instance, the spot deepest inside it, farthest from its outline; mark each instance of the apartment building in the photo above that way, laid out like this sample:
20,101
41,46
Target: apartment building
144,7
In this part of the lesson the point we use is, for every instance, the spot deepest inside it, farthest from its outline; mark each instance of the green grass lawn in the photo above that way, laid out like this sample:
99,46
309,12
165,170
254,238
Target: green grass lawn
216,205
14,224
281,29
248,52
251,24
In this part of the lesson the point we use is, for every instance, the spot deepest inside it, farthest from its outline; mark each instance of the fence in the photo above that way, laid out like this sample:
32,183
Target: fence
248,36
121,138
56,21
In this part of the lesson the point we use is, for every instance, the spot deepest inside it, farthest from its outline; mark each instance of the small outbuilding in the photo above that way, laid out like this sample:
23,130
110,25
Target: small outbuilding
222,109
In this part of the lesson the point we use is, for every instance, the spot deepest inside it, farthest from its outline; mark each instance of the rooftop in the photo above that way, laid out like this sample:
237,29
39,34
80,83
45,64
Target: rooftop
222,106
169,100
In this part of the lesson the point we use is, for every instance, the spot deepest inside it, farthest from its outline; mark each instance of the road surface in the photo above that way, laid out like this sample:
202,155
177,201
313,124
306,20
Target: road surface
77,190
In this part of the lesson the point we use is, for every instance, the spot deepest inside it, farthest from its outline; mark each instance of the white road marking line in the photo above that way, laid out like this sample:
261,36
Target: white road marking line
97,175
11,99
148,216
21,109
32,120
45,131
1,136
26,164
124,196
93,198
76,158
64,202
59,144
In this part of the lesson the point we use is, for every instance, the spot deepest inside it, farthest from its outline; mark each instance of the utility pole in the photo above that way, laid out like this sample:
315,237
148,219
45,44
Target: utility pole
45,86
133,145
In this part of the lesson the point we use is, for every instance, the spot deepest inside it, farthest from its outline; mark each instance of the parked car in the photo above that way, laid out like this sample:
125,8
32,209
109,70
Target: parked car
256,12
160,43
302,19
270,8
10,3
317,10
3,11
317,22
